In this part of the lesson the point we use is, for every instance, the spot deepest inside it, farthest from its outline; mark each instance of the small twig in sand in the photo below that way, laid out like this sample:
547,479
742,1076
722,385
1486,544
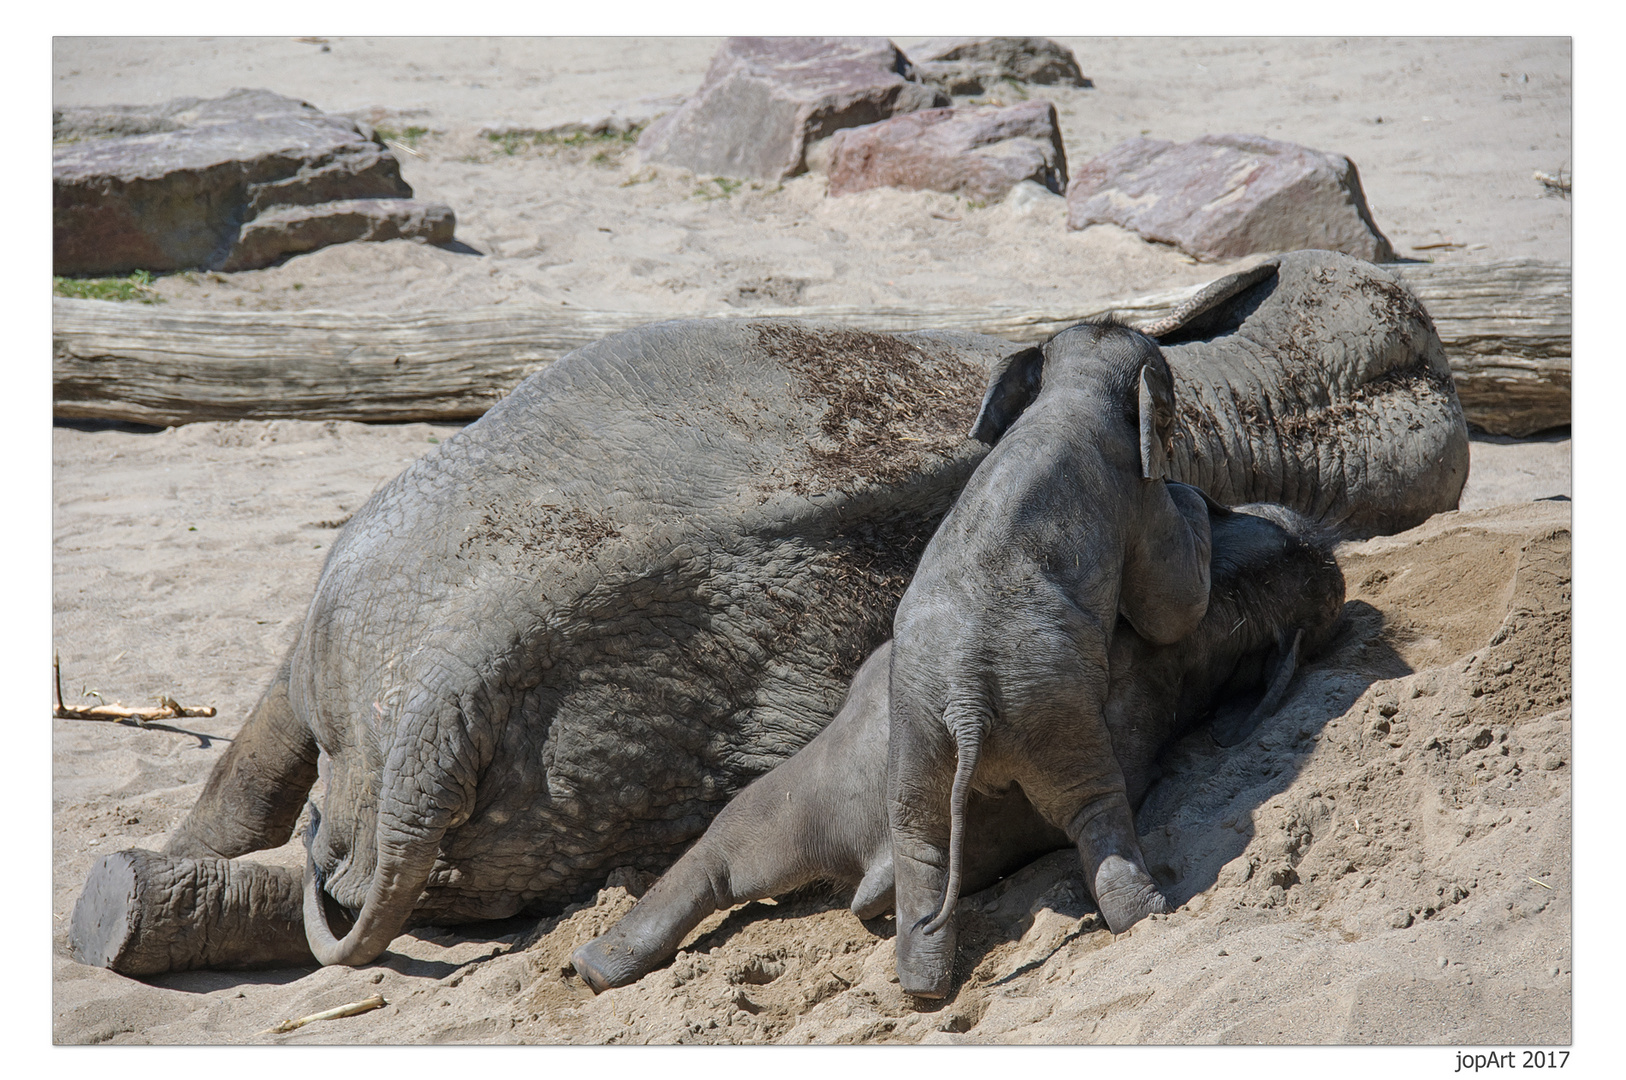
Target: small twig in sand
1543,884
353,1009
168,709
1555,185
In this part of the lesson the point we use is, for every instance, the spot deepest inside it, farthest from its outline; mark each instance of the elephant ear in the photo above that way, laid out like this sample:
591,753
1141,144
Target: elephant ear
1236,726
1014,386
1156,423
1215,510
1217,307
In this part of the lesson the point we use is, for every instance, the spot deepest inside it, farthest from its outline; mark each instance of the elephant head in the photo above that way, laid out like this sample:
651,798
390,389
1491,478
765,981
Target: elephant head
1317,381
1020,378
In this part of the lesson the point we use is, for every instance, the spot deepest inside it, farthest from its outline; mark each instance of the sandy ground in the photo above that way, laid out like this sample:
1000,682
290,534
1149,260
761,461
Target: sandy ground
1386,862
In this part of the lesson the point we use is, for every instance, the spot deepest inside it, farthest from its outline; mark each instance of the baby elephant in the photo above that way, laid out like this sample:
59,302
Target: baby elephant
1276,596
1000,644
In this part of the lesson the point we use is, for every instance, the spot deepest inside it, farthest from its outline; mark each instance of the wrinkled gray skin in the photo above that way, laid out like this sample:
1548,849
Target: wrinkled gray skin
1276,595
558,644
1317,381
999,668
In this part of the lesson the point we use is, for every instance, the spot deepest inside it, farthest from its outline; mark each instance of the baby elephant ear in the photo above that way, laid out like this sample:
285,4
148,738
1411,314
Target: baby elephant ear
1014,386
1156,424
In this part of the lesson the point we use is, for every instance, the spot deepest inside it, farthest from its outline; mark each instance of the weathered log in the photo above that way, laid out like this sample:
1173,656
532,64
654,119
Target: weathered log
1505,325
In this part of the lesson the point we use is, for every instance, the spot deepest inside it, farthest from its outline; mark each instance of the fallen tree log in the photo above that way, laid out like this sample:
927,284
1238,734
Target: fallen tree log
1505,325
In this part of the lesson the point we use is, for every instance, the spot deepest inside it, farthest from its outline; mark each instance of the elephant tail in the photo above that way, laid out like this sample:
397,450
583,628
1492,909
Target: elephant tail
394,891
422,794
967,728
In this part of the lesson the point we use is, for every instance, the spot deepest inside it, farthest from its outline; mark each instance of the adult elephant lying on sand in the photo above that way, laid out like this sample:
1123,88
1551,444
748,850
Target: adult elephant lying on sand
562,641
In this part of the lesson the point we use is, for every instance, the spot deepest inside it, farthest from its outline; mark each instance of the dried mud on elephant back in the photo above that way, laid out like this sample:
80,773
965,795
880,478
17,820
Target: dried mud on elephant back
884,407
888,402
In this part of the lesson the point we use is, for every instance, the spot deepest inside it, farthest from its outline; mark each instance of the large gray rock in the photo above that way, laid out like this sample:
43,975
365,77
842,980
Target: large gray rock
186,185
1226,196
980,152
764,99
972,65
288,230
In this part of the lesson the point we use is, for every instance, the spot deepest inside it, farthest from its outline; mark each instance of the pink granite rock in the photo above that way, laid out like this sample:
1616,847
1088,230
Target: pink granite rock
972,65
764,99
980,152
288,230
185,183
1225,196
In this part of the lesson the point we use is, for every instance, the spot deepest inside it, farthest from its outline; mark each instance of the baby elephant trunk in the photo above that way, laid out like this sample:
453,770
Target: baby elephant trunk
142,913
966,726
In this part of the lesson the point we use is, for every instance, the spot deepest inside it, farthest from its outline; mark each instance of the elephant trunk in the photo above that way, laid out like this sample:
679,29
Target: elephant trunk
967,730
1318,381
1381,457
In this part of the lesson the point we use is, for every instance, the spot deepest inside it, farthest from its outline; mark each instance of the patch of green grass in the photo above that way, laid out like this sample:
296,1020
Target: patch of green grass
410,137
508,142
137,286
583,138
512,142
718,187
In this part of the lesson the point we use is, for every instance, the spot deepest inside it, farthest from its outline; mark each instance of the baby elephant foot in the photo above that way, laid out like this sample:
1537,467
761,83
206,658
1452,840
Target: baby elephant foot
1125,893
926,962
609,961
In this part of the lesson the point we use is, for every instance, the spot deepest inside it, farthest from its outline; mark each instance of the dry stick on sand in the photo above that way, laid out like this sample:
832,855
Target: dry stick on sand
354,1008
170,709
1555,185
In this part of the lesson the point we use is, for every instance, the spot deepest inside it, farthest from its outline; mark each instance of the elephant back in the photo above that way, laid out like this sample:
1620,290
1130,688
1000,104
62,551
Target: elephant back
1316,380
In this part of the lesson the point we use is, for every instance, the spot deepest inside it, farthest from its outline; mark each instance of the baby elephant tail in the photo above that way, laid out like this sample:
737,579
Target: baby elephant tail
967,727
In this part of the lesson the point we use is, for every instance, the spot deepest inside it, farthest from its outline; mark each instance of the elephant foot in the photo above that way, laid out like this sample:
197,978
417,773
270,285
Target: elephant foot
932,984
142,913
604,963
925,962
1125,893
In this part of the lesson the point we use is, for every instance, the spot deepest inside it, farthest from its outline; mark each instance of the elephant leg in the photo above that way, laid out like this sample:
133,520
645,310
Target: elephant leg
762,844
649,935
1082,791
256,790
875,892
142,913
818,816
1114,868
918,809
